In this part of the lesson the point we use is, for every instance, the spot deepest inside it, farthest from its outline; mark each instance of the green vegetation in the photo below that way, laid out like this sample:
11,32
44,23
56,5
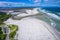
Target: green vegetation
2,34
13,29
3,17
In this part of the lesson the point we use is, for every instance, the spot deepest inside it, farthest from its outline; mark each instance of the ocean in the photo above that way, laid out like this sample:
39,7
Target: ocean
54,10
54,15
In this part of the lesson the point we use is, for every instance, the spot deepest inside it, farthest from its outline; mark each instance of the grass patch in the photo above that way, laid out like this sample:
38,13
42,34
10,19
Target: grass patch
3,17
13,29
2,34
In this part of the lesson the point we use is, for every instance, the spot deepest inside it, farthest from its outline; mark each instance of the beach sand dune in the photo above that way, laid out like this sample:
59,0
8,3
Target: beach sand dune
32,29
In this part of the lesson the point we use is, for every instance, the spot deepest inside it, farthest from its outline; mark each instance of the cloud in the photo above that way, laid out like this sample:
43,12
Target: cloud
7,4
17,4
35,1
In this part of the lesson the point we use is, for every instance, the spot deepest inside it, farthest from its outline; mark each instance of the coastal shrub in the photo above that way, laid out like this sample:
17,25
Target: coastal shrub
2,35
13,29
3,17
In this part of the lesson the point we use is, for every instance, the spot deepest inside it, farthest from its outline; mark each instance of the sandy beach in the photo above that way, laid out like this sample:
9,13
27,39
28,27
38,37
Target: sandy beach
32,29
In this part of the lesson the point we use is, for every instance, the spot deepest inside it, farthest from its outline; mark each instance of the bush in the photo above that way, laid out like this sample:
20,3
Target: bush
13,29
2,36
3,17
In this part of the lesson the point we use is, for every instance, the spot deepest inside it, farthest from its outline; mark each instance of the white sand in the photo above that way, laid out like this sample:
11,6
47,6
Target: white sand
32,29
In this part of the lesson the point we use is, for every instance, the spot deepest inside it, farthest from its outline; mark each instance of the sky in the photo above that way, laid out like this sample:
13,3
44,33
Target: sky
20,3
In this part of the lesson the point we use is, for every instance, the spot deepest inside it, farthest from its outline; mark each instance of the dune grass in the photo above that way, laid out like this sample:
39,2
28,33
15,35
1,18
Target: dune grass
13,29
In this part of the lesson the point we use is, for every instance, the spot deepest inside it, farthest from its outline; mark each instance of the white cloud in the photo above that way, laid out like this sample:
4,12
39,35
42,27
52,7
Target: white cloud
35,1
7,4
17,4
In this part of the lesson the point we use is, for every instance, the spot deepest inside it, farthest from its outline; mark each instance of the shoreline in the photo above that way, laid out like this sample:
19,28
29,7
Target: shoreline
29,28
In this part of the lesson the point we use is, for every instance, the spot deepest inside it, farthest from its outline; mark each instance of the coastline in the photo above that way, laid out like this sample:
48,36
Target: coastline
31,28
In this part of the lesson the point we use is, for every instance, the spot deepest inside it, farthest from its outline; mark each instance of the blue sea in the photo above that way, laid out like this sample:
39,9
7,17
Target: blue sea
54,10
